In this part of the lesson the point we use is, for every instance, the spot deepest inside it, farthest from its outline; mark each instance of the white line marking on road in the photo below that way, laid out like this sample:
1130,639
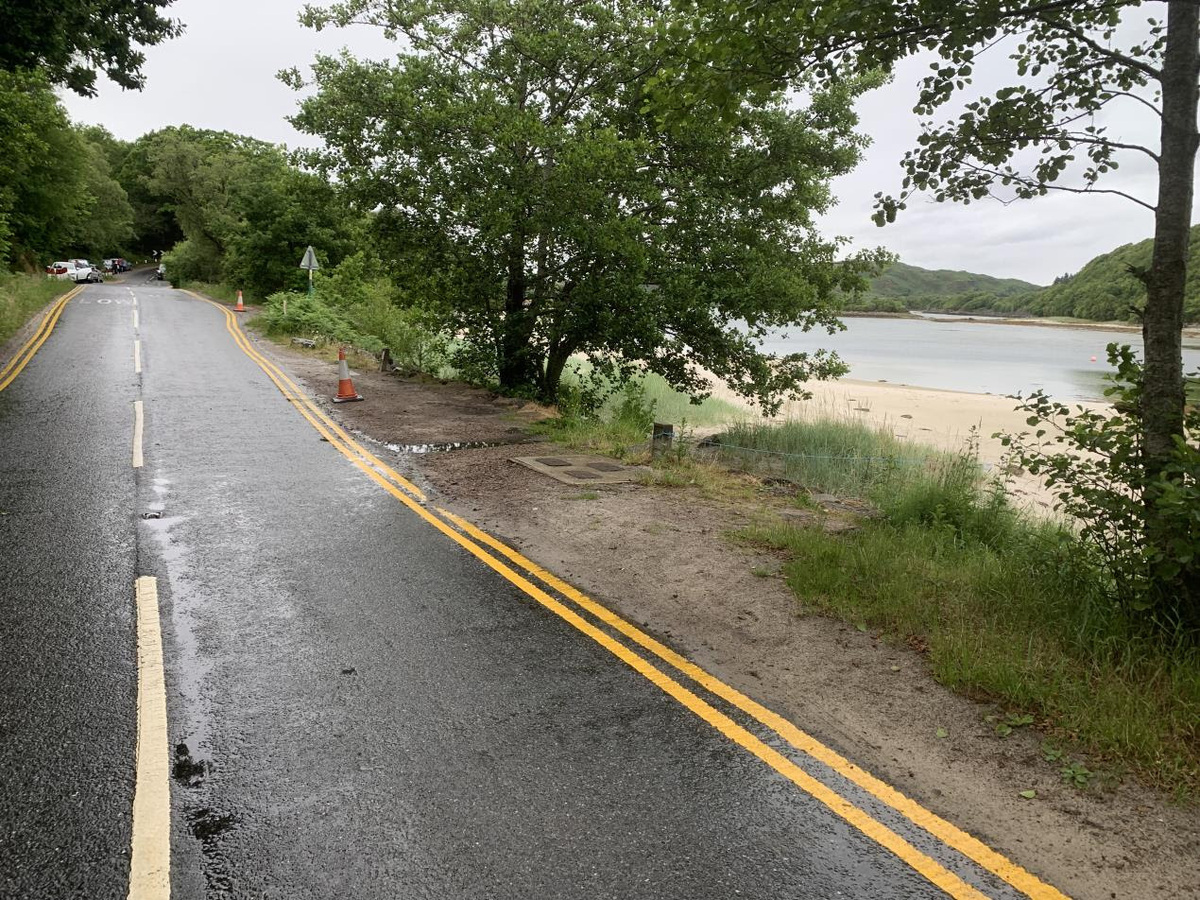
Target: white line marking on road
150,863
137,434
137,357
135,317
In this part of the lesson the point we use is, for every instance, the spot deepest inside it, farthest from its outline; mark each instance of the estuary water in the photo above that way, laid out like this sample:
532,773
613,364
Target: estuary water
958,354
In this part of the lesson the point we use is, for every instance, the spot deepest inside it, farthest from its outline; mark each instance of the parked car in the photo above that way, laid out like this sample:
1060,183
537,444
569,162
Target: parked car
59,271
83,271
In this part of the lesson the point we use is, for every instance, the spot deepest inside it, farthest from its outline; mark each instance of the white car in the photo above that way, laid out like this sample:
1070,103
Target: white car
60,271
81,271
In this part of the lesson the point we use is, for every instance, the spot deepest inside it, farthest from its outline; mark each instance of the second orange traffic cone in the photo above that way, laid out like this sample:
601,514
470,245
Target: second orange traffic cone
346,392
239,307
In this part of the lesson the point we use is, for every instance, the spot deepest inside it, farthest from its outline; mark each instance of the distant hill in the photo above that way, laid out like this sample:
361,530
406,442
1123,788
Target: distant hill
900,281
1103,290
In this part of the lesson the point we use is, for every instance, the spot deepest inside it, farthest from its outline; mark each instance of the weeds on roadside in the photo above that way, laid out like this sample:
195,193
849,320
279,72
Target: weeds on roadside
21,296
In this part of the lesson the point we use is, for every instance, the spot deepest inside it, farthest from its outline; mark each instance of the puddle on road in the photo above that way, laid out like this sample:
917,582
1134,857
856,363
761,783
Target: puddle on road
432,447
208,826
188,668
189,772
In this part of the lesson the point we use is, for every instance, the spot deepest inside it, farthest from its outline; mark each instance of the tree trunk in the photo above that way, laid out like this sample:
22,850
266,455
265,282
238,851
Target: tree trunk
1162,327
1162,399
518,369
556,362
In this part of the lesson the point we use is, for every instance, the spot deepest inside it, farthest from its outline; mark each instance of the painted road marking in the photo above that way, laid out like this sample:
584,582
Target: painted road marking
949,834
137,434
150,863
22,357
953,837
137,357
324,425
135,320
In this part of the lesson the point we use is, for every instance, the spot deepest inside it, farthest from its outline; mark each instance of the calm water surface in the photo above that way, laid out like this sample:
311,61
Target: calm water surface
980,357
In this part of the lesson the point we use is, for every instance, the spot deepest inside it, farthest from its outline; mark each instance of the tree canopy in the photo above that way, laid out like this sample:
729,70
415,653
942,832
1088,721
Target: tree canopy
245,213
507,153
58,196
71,42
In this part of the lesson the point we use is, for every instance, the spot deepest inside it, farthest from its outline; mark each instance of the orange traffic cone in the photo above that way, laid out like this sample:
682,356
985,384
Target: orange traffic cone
239,307
346,392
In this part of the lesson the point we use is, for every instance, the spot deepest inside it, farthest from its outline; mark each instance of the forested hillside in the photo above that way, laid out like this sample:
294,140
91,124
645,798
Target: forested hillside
902,281
1106,289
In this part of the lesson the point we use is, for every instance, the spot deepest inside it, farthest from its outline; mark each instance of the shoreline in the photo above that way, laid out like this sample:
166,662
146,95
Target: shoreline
1189,331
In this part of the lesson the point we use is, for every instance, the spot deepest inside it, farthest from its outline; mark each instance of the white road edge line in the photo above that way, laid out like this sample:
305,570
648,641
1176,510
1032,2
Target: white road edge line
137,434
150,862
137,357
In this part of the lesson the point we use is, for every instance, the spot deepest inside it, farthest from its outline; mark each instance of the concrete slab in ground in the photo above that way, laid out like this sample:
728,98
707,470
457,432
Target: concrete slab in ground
575,469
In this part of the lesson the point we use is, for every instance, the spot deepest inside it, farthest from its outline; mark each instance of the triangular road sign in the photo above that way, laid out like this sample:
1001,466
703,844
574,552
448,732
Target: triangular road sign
310,260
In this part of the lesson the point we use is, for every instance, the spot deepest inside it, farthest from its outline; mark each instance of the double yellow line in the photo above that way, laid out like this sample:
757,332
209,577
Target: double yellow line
474,540
22,357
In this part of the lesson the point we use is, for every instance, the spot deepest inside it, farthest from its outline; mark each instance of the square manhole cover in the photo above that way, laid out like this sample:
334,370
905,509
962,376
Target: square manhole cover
573,468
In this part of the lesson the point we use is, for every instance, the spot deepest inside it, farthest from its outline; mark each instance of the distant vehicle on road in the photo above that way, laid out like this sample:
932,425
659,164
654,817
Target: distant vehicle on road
59,271
160,272
82,272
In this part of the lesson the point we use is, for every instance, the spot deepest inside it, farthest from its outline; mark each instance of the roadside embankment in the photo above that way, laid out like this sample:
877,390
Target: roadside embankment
22,297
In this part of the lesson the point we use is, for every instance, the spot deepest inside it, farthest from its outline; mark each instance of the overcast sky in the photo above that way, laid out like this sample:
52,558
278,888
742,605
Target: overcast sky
221,75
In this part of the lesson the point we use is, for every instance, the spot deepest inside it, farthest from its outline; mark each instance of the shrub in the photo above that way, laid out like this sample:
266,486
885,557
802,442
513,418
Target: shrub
1146,528
312,317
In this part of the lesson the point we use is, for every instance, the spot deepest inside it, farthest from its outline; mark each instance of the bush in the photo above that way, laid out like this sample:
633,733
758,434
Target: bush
312,317
1145,528
192,260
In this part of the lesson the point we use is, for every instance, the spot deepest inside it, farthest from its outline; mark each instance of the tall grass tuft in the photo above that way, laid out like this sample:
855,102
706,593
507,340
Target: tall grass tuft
849,459
1016,613
21,296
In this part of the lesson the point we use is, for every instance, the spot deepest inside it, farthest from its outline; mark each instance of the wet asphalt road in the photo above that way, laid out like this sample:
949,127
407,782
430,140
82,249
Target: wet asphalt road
357,707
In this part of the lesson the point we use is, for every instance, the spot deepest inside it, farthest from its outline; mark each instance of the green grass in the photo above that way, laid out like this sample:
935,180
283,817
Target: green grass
22,296
621,426
1010,609
845,458
223,293
677,409
1018,619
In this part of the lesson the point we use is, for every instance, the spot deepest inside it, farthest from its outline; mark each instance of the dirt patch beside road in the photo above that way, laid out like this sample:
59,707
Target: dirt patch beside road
663,558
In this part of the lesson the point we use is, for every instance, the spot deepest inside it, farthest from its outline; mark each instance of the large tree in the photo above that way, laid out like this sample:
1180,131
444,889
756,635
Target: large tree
1074,61
71,41
552,218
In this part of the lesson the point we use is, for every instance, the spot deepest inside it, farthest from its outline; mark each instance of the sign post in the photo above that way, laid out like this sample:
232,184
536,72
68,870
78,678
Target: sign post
310,262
